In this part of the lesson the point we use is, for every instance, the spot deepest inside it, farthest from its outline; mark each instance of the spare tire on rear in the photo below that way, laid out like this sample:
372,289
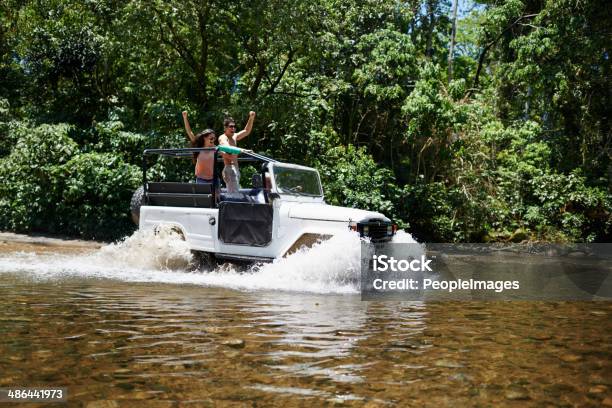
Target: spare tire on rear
135,204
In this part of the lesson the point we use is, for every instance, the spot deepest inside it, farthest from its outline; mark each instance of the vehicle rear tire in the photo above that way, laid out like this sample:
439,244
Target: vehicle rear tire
203,261
135,204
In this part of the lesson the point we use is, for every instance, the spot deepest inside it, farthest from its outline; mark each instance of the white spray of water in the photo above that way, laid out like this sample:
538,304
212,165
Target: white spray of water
160,250
331,266
328,267
402,237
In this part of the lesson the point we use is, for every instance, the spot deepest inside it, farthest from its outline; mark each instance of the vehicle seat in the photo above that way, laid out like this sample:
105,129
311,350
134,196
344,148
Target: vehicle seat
239,197
251,195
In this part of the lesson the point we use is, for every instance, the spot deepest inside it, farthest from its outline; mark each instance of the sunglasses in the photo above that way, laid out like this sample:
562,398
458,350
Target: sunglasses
232,126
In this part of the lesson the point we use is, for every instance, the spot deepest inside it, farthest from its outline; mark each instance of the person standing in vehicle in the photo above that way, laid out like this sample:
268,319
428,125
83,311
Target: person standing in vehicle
231,172
205,160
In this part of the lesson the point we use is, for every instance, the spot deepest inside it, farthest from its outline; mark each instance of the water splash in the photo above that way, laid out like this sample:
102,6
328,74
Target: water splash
402,237
331,266
162,249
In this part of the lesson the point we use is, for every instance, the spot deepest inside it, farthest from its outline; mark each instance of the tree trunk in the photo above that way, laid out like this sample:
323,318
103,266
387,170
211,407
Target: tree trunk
201,72
430,28
261,71
451,49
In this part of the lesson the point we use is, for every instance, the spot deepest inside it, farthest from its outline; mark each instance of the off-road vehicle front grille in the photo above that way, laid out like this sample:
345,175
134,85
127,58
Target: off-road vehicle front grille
377,231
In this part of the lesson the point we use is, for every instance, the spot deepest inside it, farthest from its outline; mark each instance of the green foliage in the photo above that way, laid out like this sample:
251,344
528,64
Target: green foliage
4,109
554,62
352,178
163,168
565,203
431,117
97,188
519,140
60,48
440,213
46,184
110,137
246,175
30,177
9,129
386,65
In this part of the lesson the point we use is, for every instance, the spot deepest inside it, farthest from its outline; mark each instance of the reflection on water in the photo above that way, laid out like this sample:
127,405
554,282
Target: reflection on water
132,342
114,342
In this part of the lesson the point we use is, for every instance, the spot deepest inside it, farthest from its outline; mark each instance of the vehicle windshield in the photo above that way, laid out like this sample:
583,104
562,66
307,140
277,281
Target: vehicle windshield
297,181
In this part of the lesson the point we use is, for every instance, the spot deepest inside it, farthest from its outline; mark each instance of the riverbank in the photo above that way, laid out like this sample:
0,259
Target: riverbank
10,242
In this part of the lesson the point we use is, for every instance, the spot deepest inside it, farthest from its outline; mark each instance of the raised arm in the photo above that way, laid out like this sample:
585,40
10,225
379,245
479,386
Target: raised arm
190,134
247,129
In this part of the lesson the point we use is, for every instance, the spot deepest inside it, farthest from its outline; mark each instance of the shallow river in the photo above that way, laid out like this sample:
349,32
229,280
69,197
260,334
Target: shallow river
119,329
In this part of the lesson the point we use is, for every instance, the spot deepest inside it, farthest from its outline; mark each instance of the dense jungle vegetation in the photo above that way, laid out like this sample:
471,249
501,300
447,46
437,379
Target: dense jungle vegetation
477,121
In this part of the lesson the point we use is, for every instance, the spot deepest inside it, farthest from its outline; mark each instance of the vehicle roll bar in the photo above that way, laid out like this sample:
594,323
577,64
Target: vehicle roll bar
246,156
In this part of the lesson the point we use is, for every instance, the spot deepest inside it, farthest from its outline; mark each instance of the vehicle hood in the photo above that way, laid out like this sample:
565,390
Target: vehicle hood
317,211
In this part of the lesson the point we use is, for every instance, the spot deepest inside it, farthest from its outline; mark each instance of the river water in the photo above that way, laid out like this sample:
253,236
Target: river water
129,325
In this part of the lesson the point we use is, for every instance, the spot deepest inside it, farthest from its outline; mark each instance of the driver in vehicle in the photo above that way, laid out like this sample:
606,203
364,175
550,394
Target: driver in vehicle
231,172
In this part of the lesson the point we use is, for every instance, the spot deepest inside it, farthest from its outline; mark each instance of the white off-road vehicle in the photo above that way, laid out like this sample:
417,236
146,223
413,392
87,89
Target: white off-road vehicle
282,211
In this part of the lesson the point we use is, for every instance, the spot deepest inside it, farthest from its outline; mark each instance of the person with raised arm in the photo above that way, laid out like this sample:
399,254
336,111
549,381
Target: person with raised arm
230,138
205,160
